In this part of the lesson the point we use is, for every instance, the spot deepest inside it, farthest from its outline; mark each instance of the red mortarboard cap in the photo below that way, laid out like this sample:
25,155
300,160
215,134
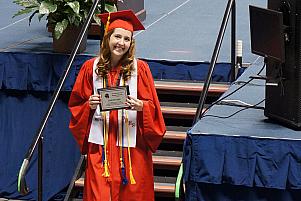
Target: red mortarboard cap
125,19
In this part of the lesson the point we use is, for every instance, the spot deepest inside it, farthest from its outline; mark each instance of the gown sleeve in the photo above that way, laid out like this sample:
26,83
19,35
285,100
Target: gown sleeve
150,120
81,114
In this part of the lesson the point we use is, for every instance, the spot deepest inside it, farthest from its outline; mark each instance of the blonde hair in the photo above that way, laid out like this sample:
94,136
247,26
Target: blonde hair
126,62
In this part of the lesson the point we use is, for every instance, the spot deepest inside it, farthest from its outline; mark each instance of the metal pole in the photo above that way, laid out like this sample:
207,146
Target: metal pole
22,187
213,61
40,169
102,27
233,42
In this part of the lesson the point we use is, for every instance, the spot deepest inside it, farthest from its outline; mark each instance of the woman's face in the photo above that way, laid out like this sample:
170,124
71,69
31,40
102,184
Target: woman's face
120,42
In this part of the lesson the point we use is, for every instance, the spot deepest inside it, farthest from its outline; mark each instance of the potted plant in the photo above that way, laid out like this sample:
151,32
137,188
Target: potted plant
62,16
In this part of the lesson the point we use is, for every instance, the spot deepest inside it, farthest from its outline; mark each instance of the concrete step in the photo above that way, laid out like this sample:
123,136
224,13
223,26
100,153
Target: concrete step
188,87
176,137
178,112
167,159
163,186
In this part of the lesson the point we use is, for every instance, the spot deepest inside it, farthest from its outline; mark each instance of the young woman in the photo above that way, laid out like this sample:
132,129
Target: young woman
118,143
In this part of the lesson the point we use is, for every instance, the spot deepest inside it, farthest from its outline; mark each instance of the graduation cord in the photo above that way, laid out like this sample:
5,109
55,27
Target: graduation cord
106,135
106,172
121,143
124,179
106,164
120,140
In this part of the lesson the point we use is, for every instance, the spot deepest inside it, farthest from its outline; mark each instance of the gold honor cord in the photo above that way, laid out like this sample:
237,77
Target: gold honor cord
106,135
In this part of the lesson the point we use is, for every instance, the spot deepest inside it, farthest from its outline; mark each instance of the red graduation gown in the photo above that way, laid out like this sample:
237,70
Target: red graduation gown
150,131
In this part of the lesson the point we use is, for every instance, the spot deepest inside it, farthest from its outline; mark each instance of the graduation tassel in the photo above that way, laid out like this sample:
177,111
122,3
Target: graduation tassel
108,24
106,29
123,173
132,179
124,179
106,171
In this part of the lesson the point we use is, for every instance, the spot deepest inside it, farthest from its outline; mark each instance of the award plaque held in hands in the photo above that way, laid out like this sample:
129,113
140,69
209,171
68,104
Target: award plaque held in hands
113,98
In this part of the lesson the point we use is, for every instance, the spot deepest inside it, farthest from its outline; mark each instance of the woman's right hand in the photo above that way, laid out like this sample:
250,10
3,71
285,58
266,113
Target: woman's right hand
94,100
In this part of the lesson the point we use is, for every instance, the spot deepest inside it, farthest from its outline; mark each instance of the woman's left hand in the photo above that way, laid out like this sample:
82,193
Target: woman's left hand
134,103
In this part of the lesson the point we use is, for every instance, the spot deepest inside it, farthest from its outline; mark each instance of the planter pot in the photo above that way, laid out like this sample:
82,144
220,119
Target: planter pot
66,42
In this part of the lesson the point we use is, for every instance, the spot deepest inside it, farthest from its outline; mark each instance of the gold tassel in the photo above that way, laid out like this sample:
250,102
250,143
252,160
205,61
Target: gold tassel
106,167
132,179
107,24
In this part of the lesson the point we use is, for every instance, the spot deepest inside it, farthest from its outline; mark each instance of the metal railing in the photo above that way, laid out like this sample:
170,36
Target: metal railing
230,10
231,7
38,139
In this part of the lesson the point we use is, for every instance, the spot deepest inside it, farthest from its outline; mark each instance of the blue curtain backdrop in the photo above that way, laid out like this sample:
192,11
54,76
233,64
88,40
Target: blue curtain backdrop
234,153
27,82
240,168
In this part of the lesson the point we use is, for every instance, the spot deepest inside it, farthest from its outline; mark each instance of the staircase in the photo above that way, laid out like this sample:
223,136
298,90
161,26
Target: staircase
179,102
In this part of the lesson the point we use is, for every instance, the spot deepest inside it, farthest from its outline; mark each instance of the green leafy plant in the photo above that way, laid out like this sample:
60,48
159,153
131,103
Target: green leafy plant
61,13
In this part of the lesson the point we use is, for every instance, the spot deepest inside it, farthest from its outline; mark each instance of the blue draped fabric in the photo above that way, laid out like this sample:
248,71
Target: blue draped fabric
36,71
41,71
242,157
27,82
21,113
26,85
181,70
255,169
245,161
226,192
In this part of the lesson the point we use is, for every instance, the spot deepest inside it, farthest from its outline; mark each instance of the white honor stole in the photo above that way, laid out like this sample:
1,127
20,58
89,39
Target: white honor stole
96,134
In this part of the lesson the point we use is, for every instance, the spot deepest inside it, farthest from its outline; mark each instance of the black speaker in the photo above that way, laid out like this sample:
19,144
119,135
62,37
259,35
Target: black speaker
283,85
